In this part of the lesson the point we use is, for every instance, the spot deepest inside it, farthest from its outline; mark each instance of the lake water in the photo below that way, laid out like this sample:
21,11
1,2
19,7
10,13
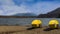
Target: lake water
24,21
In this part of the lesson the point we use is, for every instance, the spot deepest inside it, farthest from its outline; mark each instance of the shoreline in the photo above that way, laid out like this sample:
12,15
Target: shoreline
23,30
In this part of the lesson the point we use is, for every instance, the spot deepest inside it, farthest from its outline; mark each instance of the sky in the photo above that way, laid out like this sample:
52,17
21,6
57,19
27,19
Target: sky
11,7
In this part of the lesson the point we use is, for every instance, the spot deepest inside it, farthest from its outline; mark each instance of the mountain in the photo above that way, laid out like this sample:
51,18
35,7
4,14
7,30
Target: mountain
53,14
20,15
56,11
24,14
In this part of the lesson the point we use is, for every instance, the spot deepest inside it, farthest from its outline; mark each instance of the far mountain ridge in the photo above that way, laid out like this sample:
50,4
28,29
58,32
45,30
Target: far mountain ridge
53,14
24,14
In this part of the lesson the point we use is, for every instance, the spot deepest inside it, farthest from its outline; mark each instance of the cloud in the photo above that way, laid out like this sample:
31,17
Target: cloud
10,7
6,2
1,12
44,7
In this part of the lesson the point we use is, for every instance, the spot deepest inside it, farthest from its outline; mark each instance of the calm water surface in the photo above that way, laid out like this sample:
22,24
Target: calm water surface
24,21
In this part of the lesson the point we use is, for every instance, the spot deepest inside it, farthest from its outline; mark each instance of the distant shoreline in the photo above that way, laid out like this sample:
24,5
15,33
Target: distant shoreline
17,16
